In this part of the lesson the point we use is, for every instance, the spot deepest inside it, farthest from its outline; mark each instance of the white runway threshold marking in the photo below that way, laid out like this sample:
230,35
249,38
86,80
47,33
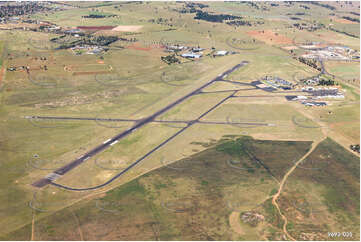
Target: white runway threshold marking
106,141
52,176
114,143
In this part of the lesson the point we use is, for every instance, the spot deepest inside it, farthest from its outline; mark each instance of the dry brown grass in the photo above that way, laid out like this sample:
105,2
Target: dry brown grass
343,21
269,37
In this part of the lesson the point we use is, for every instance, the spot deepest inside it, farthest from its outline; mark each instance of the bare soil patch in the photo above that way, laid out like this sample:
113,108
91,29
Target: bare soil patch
234,222
137,46
269,37
127,28
343,21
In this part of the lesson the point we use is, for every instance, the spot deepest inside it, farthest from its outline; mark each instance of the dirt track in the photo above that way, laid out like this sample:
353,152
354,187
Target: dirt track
234,222
275,197
33,227
2,72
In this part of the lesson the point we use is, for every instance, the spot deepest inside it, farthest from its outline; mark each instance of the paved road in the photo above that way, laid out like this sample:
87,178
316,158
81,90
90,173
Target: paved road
63,170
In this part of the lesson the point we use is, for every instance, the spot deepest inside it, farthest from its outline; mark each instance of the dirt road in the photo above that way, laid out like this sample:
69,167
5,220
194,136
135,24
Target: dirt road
33,227
234,222
275,197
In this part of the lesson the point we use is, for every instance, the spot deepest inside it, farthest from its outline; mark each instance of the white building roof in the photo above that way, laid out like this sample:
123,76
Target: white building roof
191,55
221,52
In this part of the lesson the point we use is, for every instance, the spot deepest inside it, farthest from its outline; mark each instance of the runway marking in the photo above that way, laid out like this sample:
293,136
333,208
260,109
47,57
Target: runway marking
106,141
114,142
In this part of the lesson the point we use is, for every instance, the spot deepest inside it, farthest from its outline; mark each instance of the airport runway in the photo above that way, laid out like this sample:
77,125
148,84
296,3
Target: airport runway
68,167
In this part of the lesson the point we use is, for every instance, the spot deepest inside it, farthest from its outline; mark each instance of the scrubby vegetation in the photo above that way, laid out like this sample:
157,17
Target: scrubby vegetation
310,62
99,15
170,59
351,19
90,40
219,18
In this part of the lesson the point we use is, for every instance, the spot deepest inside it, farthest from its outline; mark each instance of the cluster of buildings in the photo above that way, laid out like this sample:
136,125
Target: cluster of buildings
316,94
306,101
192,52
277,82
10,10
316,51
324,92
87,49
312,81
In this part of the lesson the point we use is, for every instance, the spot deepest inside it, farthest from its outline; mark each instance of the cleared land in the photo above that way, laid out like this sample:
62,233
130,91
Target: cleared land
128,28
270,37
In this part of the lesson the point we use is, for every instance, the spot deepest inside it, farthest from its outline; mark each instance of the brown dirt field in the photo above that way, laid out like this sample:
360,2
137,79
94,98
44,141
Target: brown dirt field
270,37
136,46
234,222
343,21
127,28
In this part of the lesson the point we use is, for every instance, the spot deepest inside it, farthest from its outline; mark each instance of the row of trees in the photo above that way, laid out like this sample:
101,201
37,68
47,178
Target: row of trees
310,62
321,5
351,19
214,17
240,23
90,40
191,7
343,32
170,59
99,16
